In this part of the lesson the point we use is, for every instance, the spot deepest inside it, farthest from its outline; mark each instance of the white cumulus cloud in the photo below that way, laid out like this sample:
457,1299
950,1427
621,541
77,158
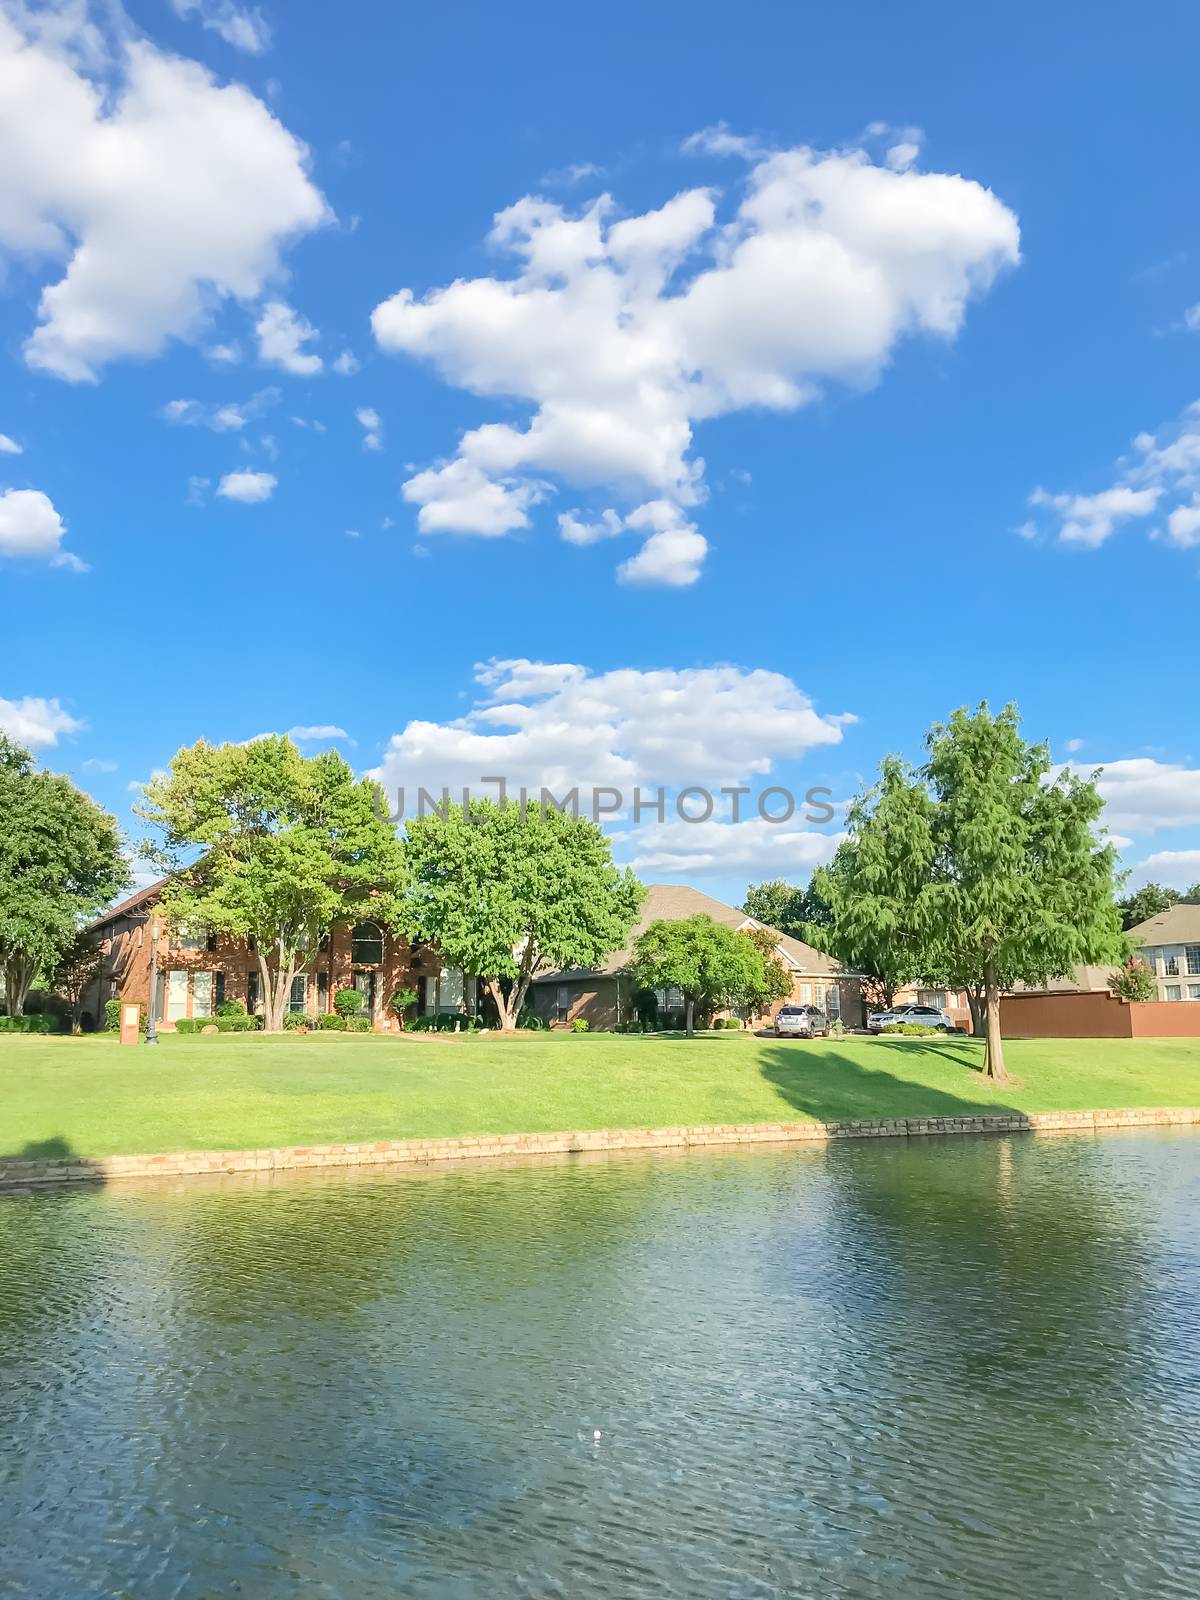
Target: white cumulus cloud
1178,869
163,190
1143,795
31,526
224,416
249,487
622,333
558,724
371,423
36,723
9,447
282,334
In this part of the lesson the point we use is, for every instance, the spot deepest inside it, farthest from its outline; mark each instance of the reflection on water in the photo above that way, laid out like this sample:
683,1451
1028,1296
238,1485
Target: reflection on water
910,1368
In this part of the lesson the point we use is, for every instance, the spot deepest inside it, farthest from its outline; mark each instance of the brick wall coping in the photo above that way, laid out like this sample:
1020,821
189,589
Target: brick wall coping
19,1173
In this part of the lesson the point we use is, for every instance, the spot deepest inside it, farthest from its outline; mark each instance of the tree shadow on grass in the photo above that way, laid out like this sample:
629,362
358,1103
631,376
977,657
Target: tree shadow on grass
46,1166
832,1086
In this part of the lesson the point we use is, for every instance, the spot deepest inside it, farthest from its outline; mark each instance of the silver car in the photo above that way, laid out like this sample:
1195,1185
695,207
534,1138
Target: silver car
925,1016
800,1022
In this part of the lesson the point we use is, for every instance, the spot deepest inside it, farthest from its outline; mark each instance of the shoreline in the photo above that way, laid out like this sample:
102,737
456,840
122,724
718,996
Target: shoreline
21,1173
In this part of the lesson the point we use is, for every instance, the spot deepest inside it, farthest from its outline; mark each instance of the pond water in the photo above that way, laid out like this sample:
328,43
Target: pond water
896,1368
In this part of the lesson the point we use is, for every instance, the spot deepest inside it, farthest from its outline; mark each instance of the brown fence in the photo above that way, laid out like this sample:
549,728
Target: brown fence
1096,1015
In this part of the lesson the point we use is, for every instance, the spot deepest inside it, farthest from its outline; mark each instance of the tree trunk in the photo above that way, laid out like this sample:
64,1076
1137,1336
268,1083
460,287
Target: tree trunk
504,1009
978,1012
18,978
993,1060
690,1024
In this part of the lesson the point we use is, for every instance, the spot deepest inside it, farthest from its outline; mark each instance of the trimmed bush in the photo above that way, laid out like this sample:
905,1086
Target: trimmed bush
186,1025
914,1030
294,1020
39,1022
238,1024
346,1002
358,1024
231,1008
330,1019
580,1025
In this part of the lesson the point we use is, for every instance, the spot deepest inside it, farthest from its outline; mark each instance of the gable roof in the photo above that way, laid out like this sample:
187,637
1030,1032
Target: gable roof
1177,925
675,902
138,901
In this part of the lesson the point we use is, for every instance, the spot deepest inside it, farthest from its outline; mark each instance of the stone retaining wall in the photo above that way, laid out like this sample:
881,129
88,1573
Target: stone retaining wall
17,1173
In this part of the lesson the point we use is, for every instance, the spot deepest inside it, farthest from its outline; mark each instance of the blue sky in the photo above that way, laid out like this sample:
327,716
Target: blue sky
863,395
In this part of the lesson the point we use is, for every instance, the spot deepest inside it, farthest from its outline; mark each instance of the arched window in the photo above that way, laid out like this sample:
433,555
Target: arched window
366,945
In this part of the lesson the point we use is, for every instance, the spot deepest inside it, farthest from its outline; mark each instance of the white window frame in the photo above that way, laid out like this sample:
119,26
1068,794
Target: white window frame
207,1002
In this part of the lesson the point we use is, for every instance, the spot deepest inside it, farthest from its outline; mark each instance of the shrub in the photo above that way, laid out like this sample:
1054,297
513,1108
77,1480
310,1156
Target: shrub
292,1020
347,1001
238,1024
580,1025
330,1019
400,1002
112,1015
358,1024
728,1022
528,1018
915,1030
187,1024
1133,981
44,1002
231,1008
39,1022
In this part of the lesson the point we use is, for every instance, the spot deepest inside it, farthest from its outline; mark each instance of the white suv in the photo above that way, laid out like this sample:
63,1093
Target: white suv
926,1016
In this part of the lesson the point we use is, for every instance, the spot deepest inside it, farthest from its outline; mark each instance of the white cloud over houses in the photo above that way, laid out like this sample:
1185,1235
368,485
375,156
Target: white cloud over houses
560,725
244,27
1159,475
282,335
1178,869
30,526
716,848
1143,796
163,191
622,333
251,488
35,722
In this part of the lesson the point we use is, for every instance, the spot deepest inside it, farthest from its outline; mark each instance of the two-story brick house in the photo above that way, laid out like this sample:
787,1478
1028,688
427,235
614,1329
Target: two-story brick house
197,970
1169,944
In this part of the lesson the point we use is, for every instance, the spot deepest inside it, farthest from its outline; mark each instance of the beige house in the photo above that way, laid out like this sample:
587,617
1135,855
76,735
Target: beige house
603,995
1169,944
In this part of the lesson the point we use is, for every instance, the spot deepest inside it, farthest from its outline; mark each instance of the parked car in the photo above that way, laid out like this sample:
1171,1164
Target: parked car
925,1016
803,1022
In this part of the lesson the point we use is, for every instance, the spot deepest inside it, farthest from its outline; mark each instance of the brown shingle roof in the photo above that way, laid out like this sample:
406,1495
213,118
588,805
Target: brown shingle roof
675,902
126,907
1177,925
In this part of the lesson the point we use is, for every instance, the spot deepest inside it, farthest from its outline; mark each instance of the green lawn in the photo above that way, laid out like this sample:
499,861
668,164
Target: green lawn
94,1097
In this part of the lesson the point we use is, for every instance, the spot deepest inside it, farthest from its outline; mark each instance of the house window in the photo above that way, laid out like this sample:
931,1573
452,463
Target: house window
191,938
298,994
252,992
202,988
833,1002
1170,966
322,991
1193,958
806,998
220,988
1194,991
1172,992
932,997
562,1002
366,945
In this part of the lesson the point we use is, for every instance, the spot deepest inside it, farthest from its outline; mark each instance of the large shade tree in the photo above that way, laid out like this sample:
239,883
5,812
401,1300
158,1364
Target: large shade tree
509,892
711,965
269,845
983,869
61,862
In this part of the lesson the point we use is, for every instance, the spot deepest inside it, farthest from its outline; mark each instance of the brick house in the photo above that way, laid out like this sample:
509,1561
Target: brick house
603,995
197,970
1169,944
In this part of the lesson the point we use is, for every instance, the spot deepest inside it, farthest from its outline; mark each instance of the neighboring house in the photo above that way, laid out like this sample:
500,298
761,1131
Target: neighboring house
603,995
197,970
1169,944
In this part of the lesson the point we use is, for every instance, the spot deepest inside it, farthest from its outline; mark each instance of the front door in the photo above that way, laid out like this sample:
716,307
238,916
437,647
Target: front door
177,995
364,982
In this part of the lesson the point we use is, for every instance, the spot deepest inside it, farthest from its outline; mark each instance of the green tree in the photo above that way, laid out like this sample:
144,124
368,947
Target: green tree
267,844
1148,901
711,965
776,982
61,862
789,908
509,892
872,883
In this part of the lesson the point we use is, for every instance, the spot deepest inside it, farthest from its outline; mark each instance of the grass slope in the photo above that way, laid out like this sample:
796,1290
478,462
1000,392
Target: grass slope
93,1097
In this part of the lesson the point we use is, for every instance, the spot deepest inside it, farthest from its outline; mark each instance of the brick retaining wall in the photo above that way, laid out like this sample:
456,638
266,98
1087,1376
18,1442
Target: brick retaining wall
17,1173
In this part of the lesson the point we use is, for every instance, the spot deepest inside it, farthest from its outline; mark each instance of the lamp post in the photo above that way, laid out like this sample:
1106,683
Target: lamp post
151,1024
